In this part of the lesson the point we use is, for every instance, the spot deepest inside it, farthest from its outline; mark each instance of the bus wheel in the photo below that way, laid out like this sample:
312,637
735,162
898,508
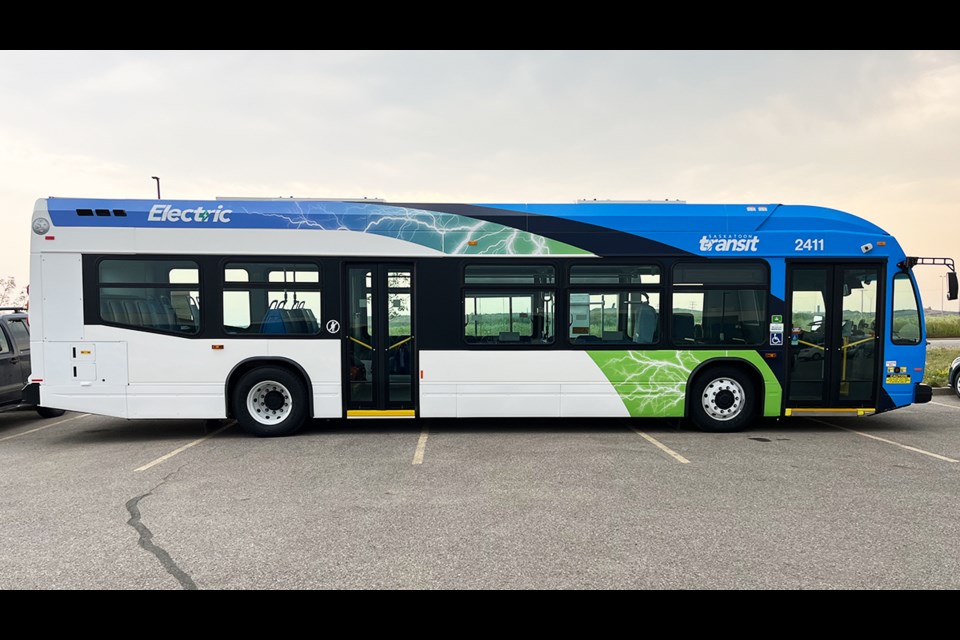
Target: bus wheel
722,400
47,412
270,401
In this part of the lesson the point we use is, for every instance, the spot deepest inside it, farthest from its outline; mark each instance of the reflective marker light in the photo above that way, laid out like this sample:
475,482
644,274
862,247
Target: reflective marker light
216,347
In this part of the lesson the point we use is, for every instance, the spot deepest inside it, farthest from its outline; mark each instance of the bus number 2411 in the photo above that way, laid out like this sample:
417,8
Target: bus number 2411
810,244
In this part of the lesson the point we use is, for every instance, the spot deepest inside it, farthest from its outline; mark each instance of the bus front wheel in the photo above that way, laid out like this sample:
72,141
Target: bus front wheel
722,400
270,401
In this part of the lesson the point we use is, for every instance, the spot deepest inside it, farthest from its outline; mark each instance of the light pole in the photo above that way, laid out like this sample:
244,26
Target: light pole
158,186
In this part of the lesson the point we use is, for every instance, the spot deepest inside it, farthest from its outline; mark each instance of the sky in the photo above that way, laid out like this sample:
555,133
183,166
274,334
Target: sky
872,133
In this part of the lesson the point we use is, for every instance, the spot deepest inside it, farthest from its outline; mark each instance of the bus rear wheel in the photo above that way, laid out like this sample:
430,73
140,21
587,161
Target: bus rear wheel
270,401
722,400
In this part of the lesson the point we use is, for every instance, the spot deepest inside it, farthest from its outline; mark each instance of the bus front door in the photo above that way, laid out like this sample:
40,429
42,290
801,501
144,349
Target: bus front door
833,342
379,347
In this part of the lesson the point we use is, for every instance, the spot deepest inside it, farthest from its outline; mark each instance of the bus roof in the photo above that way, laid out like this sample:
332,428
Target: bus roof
631,217
583,228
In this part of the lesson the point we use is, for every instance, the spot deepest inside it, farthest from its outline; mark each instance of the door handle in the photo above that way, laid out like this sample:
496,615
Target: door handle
14,360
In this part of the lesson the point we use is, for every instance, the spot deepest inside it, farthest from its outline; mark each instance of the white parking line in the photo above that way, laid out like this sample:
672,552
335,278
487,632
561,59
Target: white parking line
183,448
46,426
670,452
896,444
421,445
952,406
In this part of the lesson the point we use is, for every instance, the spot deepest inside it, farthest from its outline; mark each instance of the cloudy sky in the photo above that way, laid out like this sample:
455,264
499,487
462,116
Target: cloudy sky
873,133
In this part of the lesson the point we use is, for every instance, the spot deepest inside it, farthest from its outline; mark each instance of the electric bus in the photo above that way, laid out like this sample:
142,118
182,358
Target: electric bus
276,311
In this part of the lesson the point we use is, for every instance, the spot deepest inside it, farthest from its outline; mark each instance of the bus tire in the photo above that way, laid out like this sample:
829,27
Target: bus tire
722,400
270,401
47,412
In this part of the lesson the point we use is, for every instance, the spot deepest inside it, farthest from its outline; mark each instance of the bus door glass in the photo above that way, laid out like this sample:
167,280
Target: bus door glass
833,343
380,350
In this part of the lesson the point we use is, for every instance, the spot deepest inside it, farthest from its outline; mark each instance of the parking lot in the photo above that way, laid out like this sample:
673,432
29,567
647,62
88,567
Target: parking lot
91,502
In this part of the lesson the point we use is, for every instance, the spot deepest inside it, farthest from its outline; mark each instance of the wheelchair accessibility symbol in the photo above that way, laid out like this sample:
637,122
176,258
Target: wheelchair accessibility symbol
333,326
776,339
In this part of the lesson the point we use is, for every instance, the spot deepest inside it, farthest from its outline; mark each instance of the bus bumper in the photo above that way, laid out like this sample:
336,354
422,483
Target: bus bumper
924,393
31,394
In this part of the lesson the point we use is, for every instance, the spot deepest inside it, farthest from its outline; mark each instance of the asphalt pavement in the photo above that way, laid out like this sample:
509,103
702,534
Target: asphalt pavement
92,502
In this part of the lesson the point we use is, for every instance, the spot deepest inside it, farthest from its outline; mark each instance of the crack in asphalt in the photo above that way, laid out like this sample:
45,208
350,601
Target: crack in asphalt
146,538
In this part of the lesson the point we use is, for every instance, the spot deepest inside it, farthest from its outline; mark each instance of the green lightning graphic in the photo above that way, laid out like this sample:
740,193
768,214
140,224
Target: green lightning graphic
654,383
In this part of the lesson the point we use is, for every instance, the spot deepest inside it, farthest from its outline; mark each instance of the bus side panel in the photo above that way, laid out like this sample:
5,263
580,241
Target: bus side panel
515,383
320,359
637,383
61,297
85,376
174,377
653,383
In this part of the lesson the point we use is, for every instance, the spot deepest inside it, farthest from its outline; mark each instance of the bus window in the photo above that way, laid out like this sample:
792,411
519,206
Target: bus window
906,312
155,294
515,317
625,317
718,317
719,304
271,298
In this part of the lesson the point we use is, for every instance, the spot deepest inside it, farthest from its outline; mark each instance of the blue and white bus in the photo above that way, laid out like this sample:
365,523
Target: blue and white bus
274,311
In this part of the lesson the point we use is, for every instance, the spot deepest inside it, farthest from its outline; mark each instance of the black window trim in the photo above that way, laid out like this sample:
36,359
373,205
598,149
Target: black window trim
557,272
146,258
568,275
222,275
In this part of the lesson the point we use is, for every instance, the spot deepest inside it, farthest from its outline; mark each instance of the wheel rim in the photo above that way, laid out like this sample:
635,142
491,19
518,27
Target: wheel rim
723,399
269,402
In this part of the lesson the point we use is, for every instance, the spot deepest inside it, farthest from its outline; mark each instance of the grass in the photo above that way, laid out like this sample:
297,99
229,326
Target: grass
938,366
943,327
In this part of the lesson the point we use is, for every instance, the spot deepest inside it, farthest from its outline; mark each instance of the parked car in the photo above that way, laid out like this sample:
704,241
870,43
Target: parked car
15,361
955,376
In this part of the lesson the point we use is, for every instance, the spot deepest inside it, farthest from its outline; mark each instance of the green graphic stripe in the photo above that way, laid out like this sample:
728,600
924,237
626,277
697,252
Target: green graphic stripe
461,235
654,383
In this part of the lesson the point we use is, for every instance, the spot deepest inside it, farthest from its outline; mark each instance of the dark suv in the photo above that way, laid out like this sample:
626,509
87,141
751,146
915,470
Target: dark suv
15,361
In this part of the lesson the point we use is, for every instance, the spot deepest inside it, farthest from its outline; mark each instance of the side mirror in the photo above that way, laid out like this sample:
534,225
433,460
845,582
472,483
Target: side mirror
951,285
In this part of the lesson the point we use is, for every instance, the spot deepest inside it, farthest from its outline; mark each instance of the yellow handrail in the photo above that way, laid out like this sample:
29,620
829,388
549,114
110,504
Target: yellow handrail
394,346
362,343
853,344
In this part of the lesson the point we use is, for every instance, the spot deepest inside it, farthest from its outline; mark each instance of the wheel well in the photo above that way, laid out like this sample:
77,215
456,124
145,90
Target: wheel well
743,366
253,363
